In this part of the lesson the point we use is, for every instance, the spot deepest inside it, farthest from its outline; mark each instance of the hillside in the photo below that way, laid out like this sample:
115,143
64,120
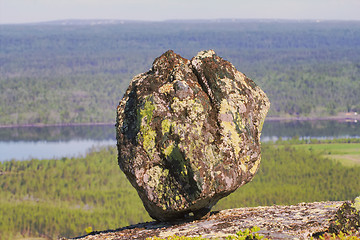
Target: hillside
56,74
68,196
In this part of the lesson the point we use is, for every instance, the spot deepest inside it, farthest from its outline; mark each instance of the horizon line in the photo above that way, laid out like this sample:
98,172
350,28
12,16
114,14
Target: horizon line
88,21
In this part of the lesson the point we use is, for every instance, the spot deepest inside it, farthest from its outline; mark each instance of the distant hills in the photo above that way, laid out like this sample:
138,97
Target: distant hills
76,71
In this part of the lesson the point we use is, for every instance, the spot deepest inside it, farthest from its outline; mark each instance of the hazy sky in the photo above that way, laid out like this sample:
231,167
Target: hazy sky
24,11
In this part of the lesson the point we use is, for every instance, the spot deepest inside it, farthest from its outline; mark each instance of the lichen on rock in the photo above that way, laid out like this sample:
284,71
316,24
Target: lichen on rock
346,220
300,221
188,133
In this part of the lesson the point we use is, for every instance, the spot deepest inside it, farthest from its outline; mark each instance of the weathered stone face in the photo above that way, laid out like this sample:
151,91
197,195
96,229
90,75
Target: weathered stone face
188,133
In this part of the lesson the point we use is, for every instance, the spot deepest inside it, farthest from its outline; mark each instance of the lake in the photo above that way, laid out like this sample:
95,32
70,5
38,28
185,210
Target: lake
22,143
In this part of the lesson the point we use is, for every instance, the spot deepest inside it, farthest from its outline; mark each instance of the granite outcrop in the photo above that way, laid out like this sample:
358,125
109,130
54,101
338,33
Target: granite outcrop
188,133
300,221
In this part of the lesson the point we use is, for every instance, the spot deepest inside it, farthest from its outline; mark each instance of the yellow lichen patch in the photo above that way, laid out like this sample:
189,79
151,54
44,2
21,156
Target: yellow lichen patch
211,157
245,160
193,108
256,166
183,130
261,125
180,130
146,133
244,163
165,126
166,88
229,84
196,111
230,134
184,172
148,110
239,122
155,174
240,77
197,128
243,167
168,150
149,140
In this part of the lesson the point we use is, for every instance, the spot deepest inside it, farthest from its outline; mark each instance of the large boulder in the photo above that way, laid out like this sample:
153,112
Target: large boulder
188,133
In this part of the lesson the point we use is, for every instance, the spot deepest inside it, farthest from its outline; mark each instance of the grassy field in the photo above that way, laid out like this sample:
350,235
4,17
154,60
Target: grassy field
348,154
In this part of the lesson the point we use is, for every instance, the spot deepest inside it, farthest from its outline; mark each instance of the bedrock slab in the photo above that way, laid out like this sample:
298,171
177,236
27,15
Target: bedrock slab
301,221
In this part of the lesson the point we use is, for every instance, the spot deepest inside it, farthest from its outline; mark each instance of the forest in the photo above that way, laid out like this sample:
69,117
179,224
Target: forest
69,197
77,73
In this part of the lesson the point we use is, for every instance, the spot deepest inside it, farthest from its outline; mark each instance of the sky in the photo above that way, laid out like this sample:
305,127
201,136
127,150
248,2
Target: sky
30,11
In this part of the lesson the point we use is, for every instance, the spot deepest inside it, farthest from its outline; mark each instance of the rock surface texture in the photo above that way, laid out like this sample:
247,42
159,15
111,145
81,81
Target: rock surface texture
188,133
301,221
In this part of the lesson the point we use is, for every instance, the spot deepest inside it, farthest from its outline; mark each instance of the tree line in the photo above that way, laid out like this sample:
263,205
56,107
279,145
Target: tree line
64,197
76,74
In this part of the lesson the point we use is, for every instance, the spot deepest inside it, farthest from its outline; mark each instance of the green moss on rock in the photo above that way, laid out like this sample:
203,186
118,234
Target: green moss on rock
147,134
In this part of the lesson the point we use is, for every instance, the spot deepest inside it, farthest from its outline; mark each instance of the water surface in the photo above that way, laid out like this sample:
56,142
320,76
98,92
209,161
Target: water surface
22,143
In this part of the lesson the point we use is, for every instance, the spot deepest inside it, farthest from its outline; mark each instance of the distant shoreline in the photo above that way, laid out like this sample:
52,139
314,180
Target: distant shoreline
342,117
352,118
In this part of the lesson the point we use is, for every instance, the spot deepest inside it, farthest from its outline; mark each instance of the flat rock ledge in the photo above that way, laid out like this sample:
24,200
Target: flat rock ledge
299,221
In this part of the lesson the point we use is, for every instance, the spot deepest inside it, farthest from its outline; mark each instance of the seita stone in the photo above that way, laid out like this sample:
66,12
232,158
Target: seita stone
188,133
